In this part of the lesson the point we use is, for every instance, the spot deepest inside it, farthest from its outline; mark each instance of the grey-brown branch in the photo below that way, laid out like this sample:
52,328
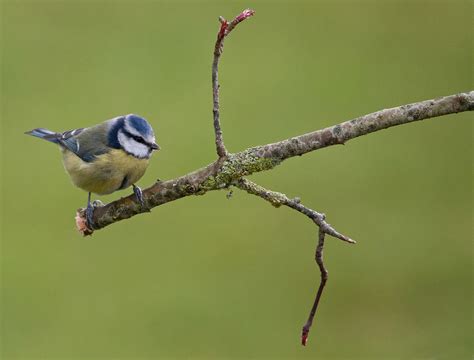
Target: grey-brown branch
230,169
221,173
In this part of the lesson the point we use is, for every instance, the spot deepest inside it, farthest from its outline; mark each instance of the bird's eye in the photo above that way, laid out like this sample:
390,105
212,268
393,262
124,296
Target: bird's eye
139,139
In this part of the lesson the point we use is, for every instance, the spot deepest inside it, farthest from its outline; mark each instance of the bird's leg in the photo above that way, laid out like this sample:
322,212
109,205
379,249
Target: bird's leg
90,213
138,194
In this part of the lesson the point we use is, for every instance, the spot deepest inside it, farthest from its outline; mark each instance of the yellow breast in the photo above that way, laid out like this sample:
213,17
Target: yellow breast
107,173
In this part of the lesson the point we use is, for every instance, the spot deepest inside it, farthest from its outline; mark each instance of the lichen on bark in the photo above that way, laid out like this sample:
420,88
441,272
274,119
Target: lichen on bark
235,166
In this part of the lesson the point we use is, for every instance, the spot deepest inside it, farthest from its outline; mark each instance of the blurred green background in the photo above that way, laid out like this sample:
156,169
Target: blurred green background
211,278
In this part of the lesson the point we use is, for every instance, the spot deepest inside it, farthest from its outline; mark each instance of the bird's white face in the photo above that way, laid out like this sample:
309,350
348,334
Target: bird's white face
134,147
137,140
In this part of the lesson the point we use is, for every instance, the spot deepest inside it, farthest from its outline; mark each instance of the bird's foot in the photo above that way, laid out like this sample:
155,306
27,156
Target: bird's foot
90,215
85,217
139,195
90,212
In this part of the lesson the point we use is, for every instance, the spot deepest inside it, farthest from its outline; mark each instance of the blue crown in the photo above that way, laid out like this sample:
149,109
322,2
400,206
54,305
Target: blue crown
139,124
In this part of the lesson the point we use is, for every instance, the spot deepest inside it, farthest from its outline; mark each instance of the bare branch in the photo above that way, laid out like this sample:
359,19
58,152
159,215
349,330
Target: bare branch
223,172
225,30
231,167
366,124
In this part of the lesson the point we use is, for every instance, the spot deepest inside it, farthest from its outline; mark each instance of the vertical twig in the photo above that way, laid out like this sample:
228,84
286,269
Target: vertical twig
225,30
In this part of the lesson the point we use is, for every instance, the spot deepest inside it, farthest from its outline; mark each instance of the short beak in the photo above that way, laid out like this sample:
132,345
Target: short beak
155,146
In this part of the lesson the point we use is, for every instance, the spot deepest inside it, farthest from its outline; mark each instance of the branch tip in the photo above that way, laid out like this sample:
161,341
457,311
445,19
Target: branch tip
244,15
304,336
81,223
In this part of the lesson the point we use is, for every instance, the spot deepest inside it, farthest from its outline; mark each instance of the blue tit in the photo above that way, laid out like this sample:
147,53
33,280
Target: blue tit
107,157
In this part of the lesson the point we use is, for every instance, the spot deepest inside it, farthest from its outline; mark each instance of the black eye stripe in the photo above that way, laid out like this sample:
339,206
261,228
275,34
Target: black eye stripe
136,138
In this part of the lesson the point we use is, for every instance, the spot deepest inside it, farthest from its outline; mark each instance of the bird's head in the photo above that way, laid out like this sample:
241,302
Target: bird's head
135,135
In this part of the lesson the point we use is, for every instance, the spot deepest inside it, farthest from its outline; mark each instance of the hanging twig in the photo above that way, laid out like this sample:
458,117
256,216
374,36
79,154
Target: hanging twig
324,278
277,199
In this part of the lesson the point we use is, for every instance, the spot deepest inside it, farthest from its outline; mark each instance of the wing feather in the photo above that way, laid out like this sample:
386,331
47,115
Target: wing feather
86,143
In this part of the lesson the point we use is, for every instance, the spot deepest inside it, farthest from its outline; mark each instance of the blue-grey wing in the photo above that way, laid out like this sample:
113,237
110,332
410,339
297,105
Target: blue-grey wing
68,140
87,143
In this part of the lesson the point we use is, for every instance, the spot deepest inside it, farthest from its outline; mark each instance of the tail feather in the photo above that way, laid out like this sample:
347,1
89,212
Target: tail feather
45,134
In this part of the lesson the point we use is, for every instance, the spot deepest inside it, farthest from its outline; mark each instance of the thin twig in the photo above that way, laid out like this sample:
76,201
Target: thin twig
224,30
324,278
277,199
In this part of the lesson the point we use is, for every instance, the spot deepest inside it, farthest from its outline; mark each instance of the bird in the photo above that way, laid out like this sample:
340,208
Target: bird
107,157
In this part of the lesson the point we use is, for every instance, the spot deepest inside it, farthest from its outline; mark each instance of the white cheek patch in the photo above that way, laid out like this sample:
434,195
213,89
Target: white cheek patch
133,147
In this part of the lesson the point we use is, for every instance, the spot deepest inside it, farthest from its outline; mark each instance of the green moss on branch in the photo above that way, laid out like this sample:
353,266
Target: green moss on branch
235,167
